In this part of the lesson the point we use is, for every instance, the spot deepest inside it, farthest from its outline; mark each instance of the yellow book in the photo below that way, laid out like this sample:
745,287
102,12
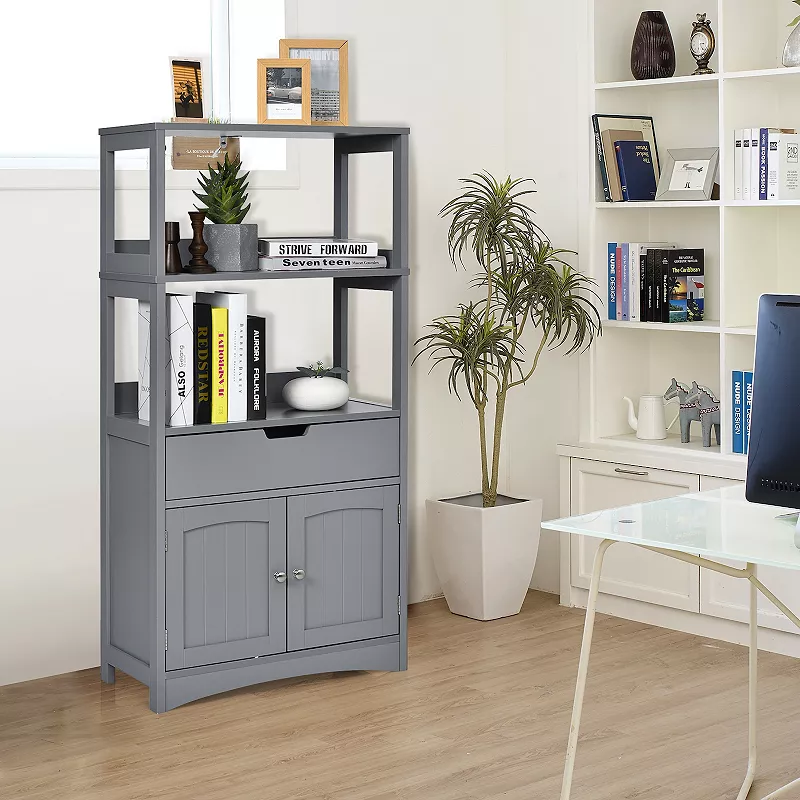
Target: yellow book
219,365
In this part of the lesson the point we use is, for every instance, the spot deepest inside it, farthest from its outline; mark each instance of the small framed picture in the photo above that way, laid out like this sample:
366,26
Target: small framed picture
188,87
284,91
328,76
688,174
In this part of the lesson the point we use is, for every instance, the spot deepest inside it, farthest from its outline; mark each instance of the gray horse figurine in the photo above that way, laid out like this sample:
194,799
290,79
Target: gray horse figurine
689,411
709,411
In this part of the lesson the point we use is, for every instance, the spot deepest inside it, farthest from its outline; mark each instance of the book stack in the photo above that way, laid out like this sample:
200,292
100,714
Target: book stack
215,360
741,408
627,157
318,253
766,165
655,282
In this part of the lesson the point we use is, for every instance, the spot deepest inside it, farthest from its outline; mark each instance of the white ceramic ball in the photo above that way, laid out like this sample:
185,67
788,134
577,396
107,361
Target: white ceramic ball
316,394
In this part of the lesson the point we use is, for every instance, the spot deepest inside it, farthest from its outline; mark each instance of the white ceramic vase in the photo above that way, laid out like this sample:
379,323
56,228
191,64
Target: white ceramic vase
484,557
316,394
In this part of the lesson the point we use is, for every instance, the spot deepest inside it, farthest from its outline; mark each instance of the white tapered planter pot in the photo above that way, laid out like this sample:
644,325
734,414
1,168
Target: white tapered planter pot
484,557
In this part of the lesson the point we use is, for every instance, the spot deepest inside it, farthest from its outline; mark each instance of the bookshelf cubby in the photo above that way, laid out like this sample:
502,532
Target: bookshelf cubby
751,248
244,552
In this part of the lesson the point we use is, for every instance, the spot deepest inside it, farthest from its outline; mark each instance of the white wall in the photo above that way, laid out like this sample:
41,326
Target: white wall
463,75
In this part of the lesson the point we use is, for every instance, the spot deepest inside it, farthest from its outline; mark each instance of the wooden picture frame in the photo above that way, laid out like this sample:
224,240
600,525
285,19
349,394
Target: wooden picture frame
304,48
284,110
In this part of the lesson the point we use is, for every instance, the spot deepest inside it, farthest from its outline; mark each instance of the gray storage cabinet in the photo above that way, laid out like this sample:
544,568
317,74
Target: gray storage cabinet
289,557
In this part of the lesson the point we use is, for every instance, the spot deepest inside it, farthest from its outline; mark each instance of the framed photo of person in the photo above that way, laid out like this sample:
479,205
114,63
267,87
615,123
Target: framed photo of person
688,174
188,89
284,91
328,59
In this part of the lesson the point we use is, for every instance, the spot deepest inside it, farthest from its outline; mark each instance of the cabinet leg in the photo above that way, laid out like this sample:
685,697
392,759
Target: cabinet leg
107,673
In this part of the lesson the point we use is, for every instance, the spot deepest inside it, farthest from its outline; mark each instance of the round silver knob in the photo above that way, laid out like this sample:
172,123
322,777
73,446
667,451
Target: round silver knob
299,574
280,577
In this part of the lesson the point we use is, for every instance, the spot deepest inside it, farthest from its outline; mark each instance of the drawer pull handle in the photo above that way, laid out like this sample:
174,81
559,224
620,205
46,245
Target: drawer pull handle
285,431
631,472
280,577
299,574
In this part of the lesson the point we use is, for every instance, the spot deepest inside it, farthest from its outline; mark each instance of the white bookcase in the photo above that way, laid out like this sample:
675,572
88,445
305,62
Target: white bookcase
750,248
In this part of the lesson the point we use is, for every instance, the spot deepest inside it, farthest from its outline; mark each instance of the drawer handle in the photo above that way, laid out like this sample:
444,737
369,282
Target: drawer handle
631,472
285,431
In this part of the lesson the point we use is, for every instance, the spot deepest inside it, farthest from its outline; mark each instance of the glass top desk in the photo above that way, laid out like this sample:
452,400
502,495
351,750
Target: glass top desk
697,528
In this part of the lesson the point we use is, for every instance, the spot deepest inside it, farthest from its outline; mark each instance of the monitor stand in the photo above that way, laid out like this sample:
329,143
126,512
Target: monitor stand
794,519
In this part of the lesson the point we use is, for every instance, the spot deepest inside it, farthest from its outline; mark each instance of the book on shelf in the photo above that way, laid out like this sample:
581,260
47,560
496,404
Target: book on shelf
737,411
317,247
746,171
219,364
683,286
625,281
608,137
143,360
754,163
180,367
747,376
618,264
738,163
639,301
606,156
256,374
636,172
279,263
653,260
612,280
202,363
786,184
236,366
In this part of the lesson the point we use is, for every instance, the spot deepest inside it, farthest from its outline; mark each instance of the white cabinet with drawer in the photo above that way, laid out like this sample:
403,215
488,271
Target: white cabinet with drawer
630,571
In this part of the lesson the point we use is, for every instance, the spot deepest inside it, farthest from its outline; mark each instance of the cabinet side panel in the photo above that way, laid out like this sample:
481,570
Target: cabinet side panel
128,547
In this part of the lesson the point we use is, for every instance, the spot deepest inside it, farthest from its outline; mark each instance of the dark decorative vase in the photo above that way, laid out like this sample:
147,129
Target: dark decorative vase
652,51
198,248
172,235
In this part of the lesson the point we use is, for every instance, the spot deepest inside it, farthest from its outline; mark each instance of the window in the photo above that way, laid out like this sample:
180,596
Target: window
100,64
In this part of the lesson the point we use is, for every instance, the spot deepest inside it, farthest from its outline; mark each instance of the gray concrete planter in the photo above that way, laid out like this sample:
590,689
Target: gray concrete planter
232,248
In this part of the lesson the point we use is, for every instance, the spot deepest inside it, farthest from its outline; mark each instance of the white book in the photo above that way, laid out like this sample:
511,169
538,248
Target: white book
773,163
237,348
634,295
746,170
180,365
737,163
143,360
311,247
789,179
754,162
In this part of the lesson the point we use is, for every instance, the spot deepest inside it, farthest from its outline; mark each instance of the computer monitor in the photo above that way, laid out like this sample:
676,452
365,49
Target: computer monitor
773,460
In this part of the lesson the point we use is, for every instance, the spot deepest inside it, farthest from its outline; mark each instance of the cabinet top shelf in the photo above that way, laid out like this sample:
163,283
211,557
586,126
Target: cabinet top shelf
252,129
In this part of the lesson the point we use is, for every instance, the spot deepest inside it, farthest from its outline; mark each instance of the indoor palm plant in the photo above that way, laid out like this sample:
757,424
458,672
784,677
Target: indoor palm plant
485,544
232,245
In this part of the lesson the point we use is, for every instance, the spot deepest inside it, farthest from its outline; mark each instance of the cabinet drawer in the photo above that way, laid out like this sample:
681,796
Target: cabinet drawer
255,460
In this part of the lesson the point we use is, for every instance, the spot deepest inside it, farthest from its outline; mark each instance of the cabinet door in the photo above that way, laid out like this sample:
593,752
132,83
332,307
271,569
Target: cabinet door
629,571
348,545
729,598
223,602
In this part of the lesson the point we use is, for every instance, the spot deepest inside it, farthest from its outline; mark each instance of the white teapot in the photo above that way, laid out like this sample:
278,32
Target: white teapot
651,423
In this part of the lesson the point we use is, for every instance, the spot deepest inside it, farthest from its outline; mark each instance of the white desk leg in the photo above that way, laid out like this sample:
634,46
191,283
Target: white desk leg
583,667
753,690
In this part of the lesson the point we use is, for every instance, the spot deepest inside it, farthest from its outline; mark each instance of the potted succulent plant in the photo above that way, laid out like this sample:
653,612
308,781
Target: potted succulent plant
485,544
232,246
318,389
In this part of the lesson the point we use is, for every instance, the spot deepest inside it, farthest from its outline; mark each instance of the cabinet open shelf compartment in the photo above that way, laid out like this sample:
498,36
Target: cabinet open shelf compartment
220,545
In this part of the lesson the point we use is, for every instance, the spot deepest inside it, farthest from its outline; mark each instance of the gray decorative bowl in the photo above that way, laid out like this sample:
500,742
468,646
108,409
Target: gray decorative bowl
232,248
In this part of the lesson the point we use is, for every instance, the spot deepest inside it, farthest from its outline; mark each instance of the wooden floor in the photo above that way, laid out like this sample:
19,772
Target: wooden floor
482,713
